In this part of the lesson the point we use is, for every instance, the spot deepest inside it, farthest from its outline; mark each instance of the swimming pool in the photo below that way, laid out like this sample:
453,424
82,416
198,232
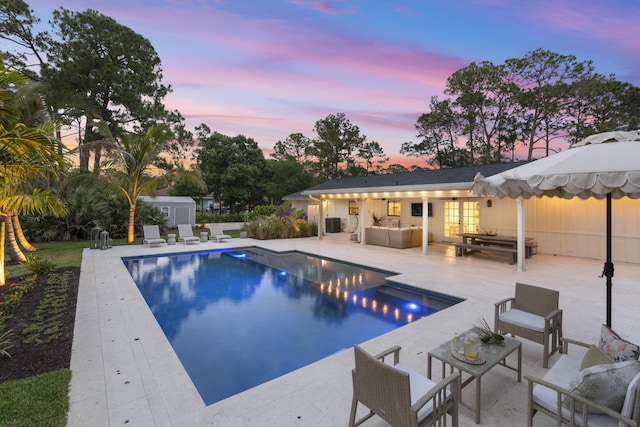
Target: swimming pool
238,318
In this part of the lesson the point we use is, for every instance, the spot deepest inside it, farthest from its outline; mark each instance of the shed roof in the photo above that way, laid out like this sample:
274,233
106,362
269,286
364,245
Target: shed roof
167,199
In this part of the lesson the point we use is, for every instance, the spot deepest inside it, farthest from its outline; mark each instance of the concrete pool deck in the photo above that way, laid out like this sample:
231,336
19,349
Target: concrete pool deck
126,373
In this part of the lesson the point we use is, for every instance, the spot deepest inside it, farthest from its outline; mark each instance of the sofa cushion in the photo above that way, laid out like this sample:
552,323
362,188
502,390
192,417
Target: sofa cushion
605,384
615,347
523,319
594,356
627,407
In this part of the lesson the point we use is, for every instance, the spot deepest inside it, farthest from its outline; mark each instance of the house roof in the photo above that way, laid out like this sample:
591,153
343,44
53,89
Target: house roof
166,199
422,180
296,196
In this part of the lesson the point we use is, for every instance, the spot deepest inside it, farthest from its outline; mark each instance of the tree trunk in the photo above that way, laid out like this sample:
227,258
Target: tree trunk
97,157
2,269
131,230
15,253
83,157
17,228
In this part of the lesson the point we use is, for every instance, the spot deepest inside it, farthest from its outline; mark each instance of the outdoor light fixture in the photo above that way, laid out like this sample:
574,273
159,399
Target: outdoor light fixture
489,203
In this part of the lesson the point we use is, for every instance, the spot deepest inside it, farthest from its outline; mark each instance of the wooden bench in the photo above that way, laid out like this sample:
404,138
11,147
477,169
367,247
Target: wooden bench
461,249
530,245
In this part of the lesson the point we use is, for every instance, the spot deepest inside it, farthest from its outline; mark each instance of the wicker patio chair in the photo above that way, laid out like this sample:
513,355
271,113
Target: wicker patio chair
399,395
532,314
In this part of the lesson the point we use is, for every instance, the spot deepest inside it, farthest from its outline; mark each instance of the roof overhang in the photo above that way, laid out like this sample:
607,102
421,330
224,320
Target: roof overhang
460,189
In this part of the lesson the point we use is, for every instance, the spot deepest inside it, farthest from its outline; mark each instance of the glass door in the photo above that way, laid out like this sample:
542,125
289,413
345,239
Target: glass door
461,216
451,220
470,217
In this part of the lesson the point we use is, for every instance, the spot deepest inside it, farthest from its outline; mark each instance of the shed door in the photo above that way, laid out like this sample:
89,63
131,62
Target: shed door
182,216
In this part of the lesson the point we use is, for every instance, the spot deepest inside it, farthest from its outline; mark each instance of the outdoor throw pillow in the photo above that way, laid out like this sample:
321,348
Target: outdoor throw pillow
594,356
604,384
615,347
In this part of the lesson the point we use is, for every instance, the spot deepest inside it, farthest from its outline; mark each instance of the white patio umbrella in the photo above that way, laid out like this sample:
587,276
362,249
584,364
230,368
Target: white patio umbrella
605,165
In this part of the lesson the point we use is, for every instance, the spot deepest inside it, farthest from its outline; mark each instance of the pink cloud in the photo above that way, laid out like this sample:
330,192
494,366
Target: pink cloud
610,27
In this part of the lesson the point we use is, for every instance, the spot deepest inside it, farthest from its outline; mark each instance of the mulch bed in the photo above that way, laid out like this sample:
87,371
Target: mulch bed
32,359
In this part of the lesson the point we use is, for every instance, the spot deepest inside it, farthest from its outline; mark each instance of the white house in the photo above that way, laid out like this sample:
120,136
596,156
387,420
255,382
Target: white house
176,210
438,204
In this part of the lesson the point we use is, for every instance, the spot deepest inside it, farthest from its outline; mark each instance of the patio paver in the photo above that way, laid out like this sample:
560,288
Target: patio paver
125,371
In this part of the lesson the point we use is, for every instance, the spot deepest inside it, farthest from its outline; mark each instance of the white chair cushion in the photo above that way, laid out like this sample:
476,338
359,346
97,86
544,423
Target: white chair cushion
419,385
523,319
561,374
627,407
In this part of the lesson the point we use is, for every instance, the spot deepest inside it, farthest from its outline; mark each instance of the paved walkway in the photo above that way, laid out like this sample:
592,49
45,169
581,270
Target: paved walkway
125,372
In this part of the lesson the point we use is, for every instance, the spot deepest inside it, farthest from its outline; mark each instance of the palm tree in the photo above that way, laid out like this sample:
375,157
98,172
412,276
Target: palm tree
130,167
26,153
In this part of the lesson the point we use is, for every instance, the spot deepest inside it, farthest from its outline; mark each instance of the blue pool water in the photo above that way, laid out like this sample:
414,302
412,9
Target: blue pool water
239,318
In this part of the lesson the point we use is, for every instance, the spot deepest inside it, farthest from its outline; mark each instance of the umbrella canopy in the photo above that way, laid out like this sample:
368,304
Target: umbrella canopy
605,165
600,164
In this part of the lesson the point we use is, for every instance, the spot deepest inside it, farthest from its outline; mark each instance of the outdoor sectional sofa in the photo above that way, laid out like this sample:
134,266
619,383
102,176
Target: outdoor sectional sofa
407,237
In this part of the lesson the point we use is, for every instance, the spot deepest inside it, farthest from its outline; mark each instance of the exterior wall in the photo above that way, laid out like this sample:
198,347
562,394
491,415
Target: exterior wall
159,203
571,227
562,227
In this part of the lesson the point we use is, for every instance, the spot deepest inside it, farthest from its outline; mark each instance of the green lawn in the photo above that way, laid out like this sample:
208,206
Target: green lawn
41,400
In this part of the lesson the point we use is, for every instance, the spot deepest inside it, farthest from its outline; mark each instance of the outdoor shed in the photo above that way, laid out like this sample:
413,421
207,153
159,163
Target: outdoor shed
176,210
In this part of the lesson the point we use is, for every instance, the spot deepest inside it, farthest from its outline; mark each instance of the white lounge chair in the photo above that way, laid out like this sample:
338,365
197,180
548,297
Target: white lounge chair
152,236
216,232
185,233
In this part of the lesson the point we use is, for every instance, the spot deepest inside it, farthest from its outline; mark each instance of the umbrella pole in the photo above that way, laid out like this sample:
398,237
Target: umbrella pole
608,265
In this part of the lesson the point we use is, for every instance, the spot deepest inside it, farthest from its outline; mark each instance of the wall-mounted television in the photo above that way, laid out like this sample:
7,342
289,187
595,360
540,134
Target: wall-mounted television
416,209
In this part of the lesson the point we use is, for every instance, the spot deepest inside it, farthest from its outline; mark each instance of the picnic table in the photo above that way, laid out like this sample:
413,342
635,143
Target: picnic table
494,243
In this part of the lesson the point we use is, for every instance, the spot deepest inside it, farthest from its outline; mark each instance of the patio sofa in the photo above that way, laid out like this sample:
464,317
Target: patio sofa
400,238
595,388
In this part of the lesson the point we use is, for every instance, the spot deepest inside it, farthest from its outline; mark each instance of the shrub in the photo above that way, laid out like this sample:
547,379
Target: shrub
209,217
286,226
264,210
39,265
5,343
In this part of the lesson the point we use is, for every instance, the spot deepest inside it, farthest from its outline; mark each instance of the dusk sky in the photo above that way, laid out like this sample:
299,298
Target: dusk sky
269,68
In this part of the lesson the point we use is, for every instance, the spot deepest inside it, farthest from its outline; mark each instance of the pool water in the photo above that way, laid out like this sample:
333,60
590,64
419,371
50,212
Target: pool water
239,318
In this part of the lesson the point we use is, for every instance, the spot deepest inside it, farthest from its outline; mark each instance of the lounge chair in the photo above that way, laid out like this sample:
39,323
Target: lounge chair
533,314
399,395
185,233
152,236
216,232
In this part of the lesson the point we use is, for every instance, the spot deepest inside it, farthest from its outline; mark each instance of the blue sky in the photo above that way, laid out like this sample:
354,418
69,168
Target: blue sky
269,68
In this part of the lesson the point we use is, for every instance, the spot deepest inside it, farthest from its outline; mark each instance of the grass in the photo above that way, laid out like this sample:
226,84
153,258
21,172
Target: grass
41,400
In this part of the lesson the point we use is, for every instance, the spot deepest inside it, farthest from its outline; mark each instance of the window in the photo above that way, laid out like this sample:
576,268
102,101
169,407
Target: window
164,210
353,207
393,208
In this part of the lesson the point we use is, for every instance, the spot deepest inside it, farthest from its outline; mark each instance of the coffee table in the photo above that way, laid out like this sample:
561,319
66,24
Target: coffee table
494,355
